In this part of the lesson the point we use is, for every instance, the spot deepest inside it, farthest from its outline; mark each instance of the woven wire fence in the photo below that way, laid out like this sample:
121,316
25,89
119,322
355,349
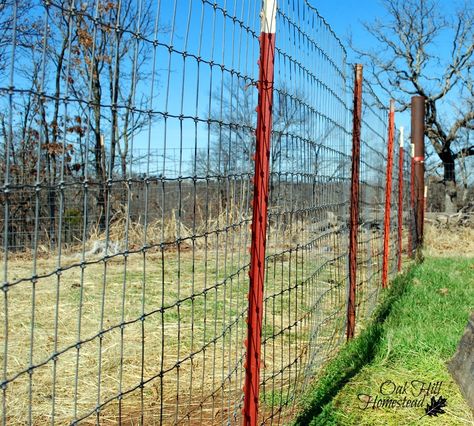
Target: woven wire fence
127,140
306,269
373,168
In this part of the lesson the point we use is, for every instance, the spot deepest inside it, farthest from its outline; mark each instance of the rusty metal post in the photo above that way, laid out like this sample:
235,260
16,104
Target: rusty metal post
417,137
388,194
400,199
411,231
354,206
260,209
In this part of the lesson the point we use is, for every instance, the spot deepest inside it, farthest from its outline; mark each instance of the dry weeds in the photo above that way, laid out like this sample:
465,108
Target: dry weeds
140,317
448,241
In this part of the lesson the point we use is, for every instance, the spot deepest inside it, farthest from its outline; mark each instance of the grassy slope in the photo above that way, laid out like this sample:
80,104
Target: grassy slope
419,335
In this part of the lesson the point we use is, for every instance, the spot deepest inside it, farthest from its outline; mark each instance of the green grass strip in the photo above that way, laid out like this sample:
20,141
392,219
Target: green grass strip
412,336
353,356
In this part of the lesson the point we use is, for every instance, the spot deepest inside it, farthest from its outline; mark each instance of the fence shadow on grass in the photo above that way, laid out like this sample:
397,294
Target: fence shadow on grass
353,356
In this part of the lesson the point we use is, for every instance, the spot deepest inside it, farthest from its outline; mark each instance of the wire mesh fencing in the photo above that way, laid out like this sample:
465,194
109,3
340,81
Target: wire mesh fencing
373,146
127,143
306,270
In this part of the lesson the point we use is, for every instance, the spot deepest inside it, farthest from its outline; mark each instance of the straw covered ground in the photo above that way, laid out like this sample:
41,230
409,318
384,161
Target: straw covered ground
157,335
449,241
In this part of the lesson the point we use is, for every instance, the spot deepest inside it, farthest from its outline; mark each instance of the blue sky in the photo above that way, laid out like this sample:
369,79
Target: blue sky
345,16
181,86
184,88
208,33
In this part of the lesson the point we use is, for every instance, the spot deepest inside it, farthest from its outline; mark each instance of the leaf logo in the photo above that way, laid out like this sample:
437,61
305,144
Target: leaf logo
435,407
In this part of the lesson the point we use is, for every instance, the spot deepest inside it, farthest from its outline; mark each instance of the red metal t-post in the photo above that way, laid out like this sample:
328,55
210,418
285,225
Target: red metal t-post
400,200
259,218
411,242
388,194
354,207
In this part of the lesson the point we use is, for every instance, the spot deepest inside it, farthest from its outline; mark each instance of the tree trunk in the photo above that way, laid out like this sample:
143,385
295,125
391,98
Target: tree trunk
114,89
449,179
451,196
101,177
99,149
123,161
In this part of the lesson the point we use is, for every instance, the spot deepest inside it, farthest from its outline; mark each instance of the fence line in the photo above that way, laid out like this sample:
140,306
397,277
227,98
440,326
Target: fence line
127,144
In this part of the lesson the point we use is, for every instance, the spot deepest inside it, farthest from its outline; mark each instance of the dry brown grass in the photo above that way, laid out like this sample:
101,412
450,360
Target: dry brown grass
448,241
206,387
120,290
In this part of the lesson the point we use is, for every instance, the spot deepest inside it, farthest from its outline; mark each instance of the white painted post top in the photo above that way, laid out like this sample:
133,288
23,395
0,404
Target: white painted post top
268,16
401,140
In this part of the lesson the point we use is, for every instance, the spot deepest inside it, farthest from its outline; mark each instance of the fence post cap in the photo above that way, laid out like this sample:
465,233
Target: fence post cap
268,17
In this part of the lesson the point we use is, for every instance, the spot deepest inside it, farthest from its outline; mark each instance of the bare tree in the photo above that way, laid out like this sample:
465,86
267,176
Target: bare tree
297,146
79,50
233,128
466,169
409,61
16,18
110,64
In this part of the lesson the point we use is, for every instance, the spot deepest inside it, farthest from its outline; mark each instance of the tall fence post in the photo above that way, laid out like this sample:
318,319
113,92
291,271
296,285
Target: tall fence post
411,242
400,199
354,206
417,136
388,194
259,217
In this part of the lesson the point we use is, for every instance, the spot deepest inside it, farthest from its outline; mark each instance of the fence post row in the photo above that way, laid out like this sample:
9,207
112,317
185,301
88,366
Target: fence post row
400,199
417,136
178,228
259,217
388,194
354,203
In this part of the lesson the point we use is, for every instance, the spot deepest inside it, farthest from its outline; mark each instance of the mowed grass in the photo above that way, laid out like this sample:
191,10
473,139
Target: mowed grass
163,328
424,322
